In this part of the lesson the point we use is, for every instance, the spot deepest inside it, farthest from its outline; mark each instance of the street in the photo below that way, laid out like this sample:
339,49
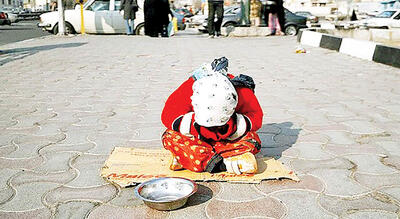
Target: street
22,30
66,102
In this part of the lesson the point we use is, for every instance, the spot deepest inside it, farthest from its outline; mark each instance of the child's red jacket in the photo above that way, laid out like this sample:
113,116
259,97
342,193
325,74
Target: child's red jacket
178,114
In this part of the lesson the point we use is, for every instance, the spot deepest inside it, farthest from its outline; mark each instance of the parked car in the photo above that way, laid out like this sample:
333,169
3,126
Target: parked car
12,13
232,17
100,16
13,17
4,19
293,23
197,20
386,19
310,17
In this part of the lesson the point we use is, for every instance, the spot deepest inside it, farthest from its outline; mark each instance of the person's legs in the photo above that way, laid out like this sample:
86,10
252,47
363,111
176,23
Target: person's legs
128,27
132,22
272,24
211,14
278,26
238,156
219,8
188,152
196,155
266,18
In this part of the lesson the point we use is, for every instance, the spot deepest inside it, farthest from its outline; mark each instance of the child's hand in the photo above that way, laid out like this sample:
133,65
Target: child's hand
244,163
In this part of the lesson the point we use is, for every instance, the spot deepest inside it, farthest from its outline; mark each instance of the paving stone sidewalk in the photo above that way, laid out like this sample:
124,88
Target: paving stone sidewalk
65,102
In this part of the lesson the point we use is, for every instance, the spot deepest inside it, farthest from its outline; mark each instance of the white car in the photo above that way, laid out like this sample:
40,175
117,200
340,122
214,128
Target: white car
13,17
100,16
386,19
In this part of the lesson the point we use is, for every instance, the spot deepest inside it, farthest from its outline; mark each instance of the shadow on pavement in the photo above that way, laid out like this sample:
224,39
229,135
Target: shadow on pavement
202,195
20,53
276,138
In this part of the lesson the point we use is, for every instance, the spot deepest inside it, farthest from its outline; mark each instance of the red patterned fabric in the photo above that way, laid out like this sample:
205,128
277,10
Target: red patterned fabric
194,154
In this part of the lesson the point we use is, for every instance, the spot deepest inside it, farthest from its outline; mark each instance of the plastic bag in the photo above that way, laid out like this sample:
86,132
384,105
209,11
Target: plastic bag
170,29
175,24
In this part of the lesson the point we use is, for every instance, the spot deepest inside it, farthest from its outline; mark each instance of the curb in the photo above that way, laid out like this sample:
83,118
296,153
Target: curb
246,31
358,48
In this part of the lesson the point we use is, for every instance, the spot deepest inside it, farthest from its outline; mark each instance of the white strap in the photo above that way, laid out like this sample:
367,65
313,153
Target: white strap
248,119
240,127
186,123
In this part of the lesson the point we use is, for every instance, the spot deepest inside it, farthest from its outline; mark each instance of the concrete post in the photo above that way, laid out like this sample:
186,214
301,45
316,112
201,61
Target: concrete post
61,18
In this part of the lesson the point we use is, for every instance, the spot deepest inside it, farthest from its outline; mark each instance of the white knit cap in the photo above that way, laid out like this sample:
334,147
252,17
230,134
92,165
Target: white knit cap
214,100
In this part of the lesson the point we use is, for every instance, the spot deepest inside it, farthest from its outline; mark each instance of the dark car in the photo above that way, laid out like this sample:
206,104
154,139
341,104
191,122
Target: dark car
308,15
232,17
293,23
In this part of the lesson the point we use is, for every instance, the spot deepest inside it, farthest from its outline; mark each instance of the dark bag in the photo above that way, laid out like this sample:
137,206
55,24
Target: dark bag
243,81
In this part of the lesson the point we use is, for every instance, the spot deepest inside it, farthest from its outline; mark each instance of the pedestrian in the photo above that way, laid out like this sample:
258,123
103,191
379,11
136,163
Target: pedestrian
281,16
273,21
150,18
211,121
156,17
164,12
255,8
215,7
129,9
203,5
353,16
53,6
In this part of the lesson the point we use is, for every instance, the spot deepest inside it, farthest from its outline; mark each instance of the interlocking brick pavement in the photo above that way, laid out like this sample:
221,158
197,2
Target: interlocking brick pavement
65,102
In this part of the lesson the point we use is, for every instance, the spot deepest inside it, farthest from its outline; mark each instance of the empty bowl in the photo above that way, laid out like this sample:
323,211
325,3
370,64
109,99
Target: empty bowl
166,193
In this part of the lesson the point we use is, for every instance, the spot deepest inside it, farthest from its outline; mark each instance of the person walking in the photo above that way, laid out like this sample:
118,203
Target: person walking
281,16
255,8
156,17
215,7
129,8
273,21
164,11
150,18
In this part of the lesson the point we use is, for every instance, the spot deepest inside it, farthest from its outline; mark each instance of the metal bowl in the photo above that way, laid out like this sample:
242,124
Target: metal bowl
167,193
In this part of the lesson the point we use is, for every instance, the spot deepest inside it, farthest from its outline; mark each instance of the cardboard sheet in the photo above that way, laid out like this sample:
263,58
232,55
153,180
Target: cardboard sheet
129,166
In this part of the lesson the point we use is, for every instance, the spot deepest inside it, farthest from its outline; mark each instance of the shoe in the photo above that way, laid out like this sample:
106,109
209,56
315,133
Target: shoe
174,164
218,34
244,163
210,36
